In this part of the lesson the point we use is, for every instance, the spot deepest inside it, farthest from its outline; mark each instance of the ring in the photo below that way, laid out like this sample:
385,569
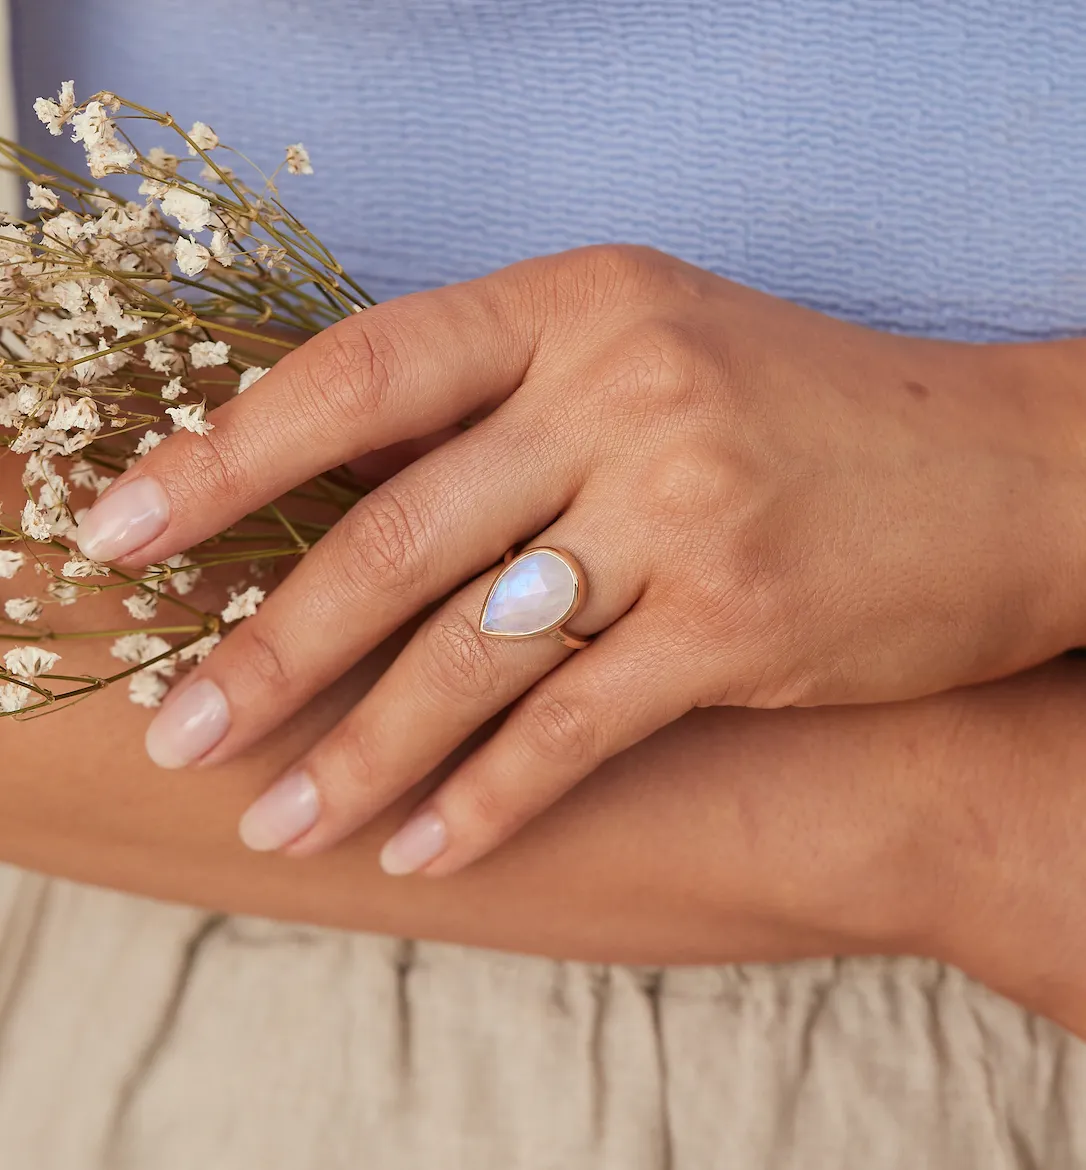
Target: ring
537,592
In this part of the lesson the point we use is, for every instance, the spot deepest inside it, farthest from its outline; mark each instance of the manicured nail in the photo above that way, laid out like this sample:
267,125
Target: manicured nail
189,726
287,810
124,520
417,844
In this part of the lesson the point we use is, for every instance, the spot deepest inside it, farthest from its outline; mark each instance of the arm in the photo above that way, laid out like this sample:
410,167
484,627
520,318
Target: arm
943,826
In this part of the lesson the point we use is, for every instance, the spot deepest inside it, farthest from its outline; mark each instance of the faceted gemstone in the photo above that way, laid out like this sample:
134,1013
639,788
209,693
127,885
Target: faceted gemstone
532,594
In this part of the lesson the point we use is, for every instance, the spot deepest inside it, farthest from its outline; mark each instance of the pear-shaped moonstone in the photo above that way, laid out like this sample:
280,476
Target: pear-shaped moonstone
531,595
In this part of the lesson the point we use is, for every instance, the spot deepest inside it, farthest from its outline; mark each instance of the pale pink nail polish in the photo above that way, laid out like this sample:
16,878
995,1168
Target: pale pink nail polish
288,809
124,520
417,844
189,726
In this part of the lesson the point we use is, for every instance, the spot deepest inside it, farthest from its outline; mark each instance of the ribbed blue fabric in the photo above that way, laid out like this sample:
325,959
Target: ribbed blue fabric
916,165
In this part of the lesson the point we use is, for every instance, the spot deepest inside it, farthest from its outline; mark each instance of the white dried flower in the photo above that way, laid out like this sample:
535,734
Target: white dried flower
162,163
42,198
109,158
74,414
147,689
162,358
10,563
35,522
220,249
209,353
173,390
191,418
81,567
149,441
22,609
182,582
142,605
202,137
30,661
243,605
249,376
192,258
135,649
14,697
69,295
92,126
298,160
192,211
200,650
56,114
84,475
63,592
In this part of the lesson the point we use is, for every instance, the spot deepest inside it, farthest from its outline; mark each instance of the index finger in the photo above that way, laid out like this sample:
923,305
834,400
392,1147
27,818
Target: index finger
397,371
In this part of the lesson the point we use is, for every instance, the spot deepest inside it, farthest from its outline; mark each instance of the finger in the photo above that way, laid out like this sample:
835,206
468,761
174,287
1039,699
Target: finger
448,681
595,705
405,545
398,371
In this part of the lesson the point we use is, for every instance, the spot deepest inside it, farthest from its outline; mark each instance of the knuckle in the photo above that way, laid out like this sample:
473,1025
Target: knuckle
352,369
384,539
461,662
558,729
687,483
654,367
486,807
266,657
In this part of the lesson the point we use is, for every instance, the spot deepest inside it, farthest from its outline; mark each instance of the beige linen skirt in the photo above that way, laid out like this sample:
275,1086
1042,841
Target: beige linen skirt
140,1036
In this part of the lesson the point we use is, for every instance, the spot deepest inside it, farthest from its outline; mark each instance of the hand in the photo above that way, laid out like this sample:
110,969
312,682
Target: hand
772,507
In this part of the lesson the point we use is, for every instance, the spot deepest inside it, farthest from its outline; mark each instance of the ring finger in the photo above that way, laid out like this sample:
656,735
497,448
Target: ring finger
447,682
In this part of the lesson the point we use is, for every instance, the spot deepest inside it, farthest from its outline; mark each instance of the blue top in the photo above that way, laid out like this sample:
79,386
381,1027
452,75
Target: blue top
918,165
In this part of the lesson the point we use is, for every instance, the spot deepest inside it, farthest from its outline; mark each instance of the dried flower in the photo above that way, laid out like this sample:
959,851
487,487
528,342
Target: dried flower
204,354
298,160
249,376
23,609
113,307
29,661
243,605
191,418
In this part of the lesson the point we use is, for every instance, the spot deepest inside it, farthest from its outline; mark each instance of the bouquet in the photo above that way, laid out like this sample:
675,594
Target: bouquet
120,320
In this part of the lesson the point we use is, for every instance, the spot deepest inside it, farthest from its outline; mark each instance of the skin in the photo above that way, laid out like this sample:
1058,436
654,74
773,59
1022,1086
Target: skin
946,826
773,509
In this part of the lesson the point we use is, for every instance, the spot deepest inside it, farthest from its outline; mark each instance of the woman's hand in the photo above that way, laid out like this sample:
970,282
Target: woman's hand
771,507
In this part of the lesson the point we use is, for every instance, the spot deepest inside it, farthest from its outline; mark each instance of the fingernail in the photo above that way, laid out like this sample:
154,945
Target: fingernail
189,726
287,810
417,844
124,520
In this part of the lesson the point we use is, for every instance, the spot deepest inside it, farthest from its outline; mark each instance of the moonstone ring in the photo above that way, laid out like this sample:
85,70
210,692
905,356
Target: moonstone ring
537,592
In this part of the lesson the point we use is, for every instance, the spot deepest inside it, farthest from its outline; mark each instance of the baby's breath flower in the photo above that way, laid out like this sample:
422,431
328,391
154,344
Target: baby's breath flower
147,689
162,358
92,126
57,114
64,593
35,522
10,563
249,376
138,648
243,605
191,418
203,137
142,605
192,258
192,211
42,197
29,661
149,441
185,574
220,249
78,414
208,353
200,650
23,609
81,567
14,697
173,390
298,160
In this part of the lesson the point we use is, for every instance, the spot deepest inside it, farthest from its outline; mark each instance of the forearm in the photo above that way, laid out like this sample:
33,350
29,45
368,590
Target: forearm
731,835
